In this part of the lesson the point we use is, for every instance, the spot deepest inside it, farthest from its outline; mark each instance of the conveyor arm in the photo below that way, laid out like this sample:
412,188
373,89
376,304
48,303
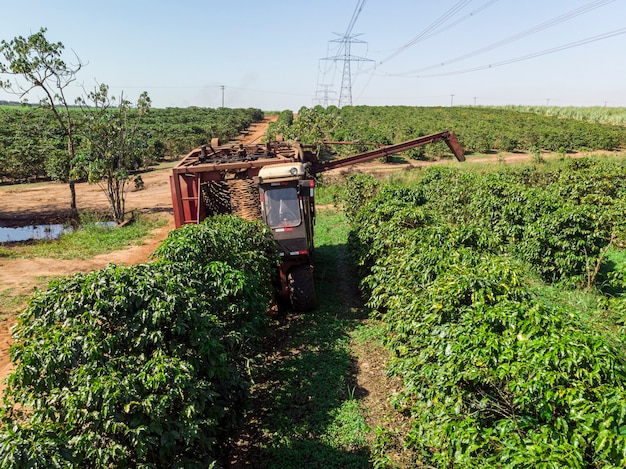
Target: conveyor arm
447,136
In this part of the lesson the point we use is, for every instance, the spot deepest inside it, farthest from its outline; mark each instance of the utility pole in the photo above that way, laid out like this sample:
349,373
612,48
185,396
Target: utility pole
345,43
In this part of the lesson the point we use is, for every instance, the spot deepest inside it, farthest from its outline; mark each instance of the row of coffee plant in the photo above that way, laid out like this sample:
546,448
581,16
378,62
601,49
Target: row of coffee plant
605,115
30,137
141,366
496,371
480,129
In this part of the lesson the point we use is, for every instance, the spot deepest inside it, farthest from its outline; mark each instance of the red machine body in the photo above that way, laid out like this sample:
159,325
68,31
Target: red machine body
273,182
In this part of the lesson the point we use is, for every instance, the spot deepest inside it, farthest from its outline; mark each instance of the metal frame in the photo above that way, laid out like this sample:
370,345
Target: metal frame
208,163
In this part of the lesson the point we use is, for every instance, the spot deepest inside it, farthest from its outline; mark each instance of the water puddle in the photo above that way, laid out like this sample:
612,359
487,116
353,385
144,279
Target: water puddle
38,232
32,232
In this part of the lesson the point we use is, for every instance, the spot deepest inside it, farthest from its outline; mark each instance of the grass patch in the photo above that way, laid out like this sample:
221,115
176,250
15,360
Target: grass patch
12,300
91,239
347,430
327,190
603,308
306,414
372,330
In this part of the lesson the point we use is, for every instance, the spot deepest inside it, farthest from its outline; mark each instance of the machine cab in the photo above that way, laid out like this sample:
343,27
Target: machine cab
287,206
282,207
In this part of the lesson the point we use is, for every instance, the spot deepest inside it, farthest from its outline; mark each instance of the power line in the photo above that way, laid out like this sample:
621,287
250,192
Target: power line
355,15
344,53
469,15
429,29
430,32
570,45
460,20
516,37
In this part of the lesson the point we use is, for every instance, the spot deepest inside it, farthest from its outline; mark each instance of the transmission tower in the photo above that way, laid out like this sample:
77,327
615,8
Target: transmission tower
344,53
326,92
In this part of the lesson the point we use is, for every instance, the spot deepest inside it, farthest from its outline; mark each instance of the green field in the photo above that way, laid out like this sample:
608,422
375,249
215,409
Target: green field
501,292
30,137
480,129
491,294
596,114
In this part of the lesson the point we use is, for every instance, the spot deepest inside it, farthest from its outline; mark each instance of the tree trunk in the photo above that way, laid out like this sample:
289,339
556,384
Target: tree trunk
115,194
72,185
72,155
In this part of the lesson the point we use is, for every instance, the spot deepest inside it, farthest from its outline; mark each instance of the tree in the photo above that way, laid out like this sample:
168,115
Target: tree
113,145
38,64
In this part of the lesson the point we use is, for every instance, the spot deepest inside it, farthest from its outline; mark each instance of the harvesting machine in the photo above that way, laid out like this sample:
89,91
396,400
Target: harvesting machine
273,182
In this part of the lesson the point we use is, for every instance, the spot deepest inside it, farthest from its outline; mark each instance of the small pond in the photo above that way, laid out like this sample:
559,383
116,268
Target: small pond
42,231
32,232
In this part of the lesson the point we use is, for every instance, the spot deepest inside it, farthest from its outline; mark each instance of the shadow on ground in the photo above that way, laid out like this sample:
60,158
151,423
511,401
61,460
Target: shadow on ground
307,376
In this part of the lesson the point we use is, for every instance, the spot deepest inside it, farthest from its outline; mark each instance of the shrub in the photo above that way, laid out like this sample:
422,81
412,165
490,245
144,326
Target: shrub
143,365
494,374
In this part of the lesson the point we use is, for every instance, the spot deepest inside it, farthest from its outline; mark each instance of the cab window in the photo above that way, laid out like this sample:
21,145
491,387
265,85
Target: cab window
282,207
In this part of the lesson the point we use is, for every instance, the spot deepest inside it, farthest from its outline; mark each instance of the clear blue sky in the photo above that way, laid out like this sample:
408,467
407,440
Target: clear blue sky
270,54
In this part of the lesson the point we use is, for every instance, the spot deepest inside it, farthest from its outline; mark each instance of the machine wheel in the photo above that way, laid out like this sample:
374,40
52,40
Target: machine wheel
302,288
